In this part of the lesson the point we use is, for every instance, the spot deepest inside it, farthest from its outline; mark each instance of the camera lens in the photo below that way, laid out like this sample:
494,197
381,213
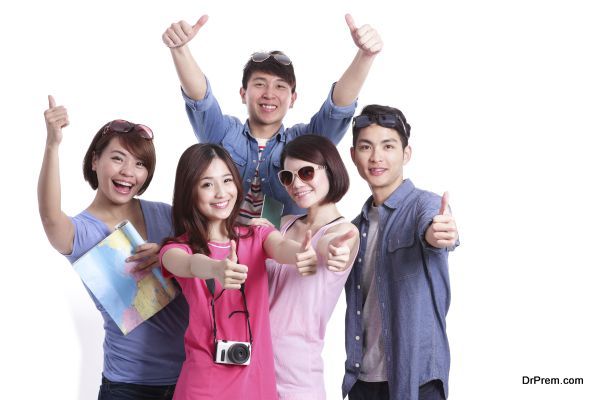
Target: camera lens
238,353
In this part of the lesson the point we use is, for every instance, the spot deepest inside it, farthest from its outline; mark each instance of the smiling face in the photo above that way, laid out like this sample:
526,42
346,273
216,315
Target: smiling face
216,192
268,98
380,159
120,174
310,193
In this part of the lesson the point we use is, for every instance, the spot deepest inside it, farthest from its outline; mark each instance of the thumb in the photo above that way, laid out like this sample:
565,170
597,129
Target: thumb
444,207
51,102
350,22
200,23
233,252
341,240
307,238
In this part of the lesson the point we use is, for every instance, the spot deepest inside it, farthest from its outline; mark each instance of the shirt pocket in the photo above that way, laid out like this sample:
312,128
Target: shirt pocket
236,150
403,256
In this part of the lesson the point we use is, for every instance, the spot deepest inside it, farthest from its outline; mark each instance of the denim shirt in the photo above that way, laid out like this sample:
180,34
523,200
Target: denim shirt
414,295
211,126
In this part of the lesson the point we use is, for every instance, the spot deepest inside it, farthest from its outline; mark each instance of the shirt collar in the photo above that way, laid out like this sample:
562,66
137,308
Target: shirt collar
280,135
396,198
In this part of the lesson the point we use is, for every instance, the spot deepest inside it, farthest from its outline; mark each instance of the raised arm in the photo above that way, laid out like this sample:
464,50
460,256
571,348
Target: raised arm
228,272
286,251
339,246
369,45
191,77
58,226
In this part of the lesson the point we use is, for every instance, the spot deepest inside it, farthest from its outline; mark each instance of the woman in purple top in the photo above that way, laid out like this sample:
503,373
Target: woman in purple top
300,307
119,165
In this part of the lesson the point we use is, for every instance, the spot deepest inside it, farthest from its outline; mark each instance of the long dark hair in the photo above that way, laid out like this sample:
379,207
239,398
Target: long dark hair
187,219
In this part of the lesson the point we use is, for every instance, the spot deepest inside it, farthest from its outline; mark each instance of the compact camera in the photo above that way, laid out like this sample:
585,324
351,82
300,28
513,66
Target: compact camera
230,352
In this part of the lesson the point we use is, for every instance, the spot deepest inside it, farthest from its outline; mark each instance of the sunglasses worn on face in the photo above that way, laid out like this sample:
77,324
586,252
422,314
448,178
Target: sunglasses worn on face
306,174
262,56
385,120
123,126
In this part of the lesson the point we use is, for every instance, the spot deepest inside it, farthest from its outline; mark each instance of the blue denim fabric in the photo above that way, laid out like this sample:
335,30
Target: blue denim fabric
414,295
128,391
211,126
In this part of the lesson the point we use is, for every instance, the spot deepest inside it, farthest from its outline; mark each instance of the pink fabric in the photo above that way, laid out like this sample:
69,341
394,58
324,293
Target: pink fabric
201,377
300,308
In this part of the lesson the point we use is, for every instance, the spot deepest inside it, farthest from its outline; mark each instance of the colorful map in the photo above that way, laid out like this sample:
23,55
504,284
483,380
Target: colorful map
130,297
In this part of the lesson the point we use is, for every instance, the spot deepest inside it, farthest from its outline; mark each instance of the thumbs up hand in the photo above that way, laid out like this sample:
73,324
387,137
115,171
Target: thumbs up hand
365,38
442,232
180,33
306,260
231,274
56,118
339,251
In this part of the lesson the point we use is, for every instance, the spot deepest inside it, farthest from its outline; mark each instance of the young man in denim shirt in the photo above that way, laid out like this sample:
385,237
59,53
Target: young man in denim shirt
268,90
398,292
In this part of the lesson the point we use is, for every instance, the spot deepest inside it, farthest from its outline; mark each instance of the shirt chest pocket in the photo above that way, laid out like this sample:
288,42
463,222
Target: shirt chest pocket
403,255
237,151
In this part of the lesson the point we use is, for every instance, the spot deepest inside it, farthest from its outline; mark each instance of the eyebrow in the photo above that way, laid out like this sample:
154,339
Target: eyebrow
365,141
213,177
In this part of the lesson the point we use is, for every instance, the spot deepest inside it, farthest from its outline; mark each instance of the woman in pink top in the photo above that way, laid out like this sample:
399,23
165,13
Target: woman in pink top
220,266
300,307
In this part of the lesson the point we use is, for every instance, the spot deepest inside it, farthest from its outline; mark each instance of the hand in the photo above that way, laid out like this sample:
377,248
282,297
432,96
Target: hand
339,252
180,33
365,38
232,274
56,118
442,232
306,260
261,221
147,253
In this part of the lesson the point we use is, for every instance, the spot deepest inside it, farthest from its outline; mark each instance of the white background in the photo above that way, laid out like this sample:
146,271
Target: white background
503,97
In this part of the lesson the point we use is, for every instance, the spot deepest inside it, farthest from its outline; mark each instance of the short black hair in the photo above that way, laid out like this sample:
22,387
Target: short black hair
270,66
373,110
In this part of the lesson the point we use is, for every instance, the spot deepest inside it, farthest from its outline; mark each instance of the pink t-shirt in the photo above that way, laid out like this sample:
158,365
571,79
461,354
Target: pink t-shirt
300,308
201,377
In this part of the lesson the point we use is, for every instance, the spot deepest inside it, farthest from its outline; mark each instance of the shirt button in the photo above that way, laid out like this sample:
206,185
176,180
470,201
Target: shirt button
254,161
357,337
360,260
358,286
262,180
357,365
358,312
382,305
364,234
248,180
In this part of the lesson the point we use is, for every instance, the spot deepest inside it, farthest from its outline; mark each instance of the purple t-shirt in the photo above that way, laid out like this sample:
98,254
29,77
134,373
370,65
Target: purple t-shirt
151,354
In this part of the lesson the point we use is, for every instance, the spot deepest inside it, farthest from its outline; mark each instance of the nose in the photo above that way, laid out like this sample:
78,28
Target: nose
219,190
268,92
127,168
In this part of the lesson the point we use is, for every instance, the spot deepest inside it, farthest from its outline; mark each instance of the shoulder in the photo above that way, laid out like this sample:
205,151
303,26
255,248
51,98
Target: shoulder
342,227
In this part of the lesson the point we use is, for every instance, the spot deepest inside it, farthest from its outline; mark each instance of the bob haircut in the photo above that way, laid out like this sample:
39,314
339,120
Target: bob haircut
137,145
321,151
270,66
187,219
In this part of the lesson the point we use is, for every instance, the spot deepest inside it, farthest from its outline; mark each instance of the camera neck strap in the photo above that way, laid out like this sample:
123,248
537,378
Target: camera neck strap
210,284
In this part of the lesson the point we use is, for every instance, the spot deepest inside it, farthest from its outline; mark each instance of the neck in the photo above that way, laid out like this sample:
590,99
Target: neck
217,231
109,212
263,131
381,194
319,215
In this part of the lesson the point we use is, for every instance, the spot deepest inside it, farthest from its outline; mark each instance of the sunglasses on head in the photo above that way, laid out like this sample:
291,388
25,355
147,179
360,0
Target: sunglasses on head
123,126
385,120
306,174
262,56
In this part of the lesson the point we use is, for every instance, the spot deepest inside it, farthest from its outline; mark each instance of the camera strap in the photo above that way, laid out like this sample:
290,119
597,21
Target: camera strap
210,284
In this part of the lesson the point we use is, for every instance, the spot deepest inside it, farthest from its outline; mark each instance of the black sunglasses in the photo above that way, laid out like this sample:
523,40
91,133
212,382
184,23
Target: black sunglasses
262,56
306,174
123,126
385,120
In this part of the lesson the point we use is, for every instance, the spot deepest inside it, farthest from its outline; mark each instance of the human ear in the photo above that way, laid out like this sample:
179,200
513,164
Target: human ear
243,95
407,154
94,160
294,96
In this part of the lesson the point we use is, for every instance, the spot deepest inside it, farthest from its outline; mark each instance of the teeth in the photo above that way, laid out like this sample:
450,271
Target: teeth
220,205
268,106
124,183
300,194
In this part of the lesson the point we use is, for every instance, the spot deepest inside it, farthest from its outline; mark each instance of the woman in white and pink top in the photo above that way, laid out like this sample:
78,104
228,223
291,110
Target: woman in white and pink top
300,306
